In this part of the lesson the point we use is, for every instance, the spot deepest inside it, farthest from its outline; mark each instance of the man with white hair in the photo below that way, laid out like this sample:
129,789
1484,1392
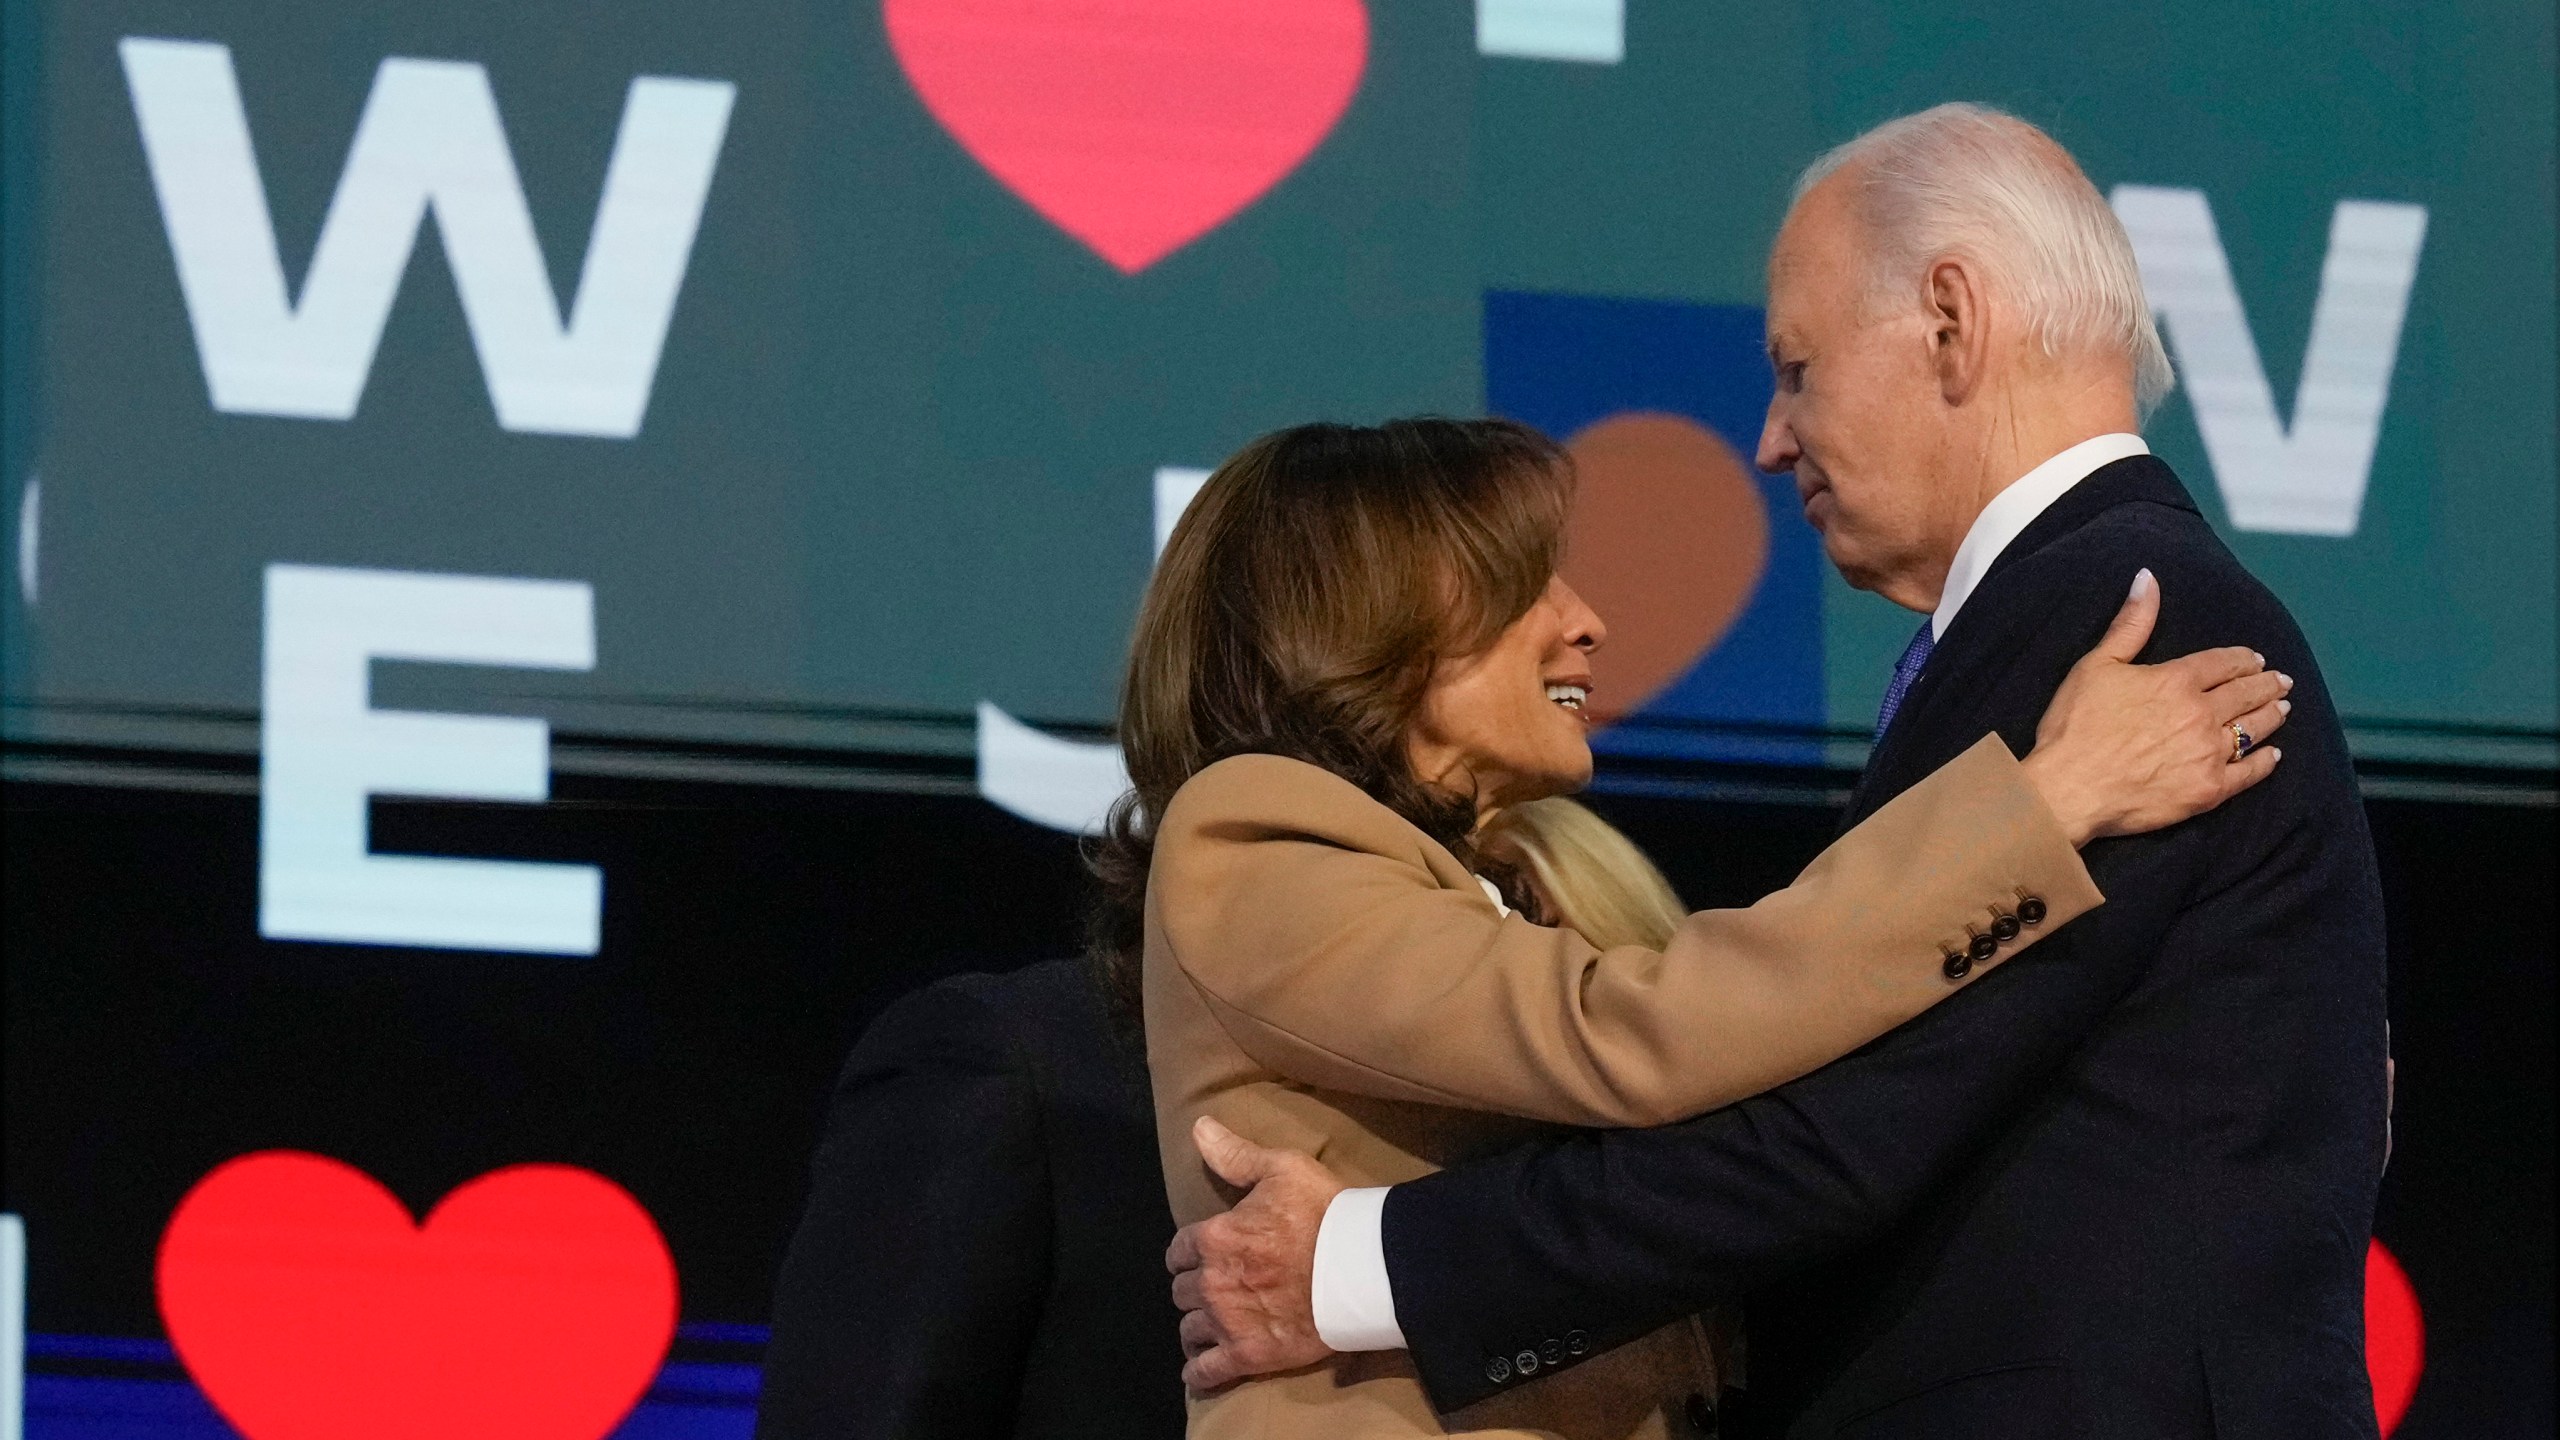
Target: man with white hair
2123,1186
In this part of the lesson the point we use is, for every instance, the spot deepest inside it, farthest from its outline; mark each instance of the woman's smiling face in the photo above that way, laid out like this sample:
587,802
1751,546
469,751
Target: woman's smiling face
1509,722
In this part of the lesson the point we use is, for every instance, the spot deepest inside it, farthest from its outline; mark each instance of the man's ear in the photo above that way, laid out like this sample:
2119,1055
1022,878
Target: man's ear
1959,335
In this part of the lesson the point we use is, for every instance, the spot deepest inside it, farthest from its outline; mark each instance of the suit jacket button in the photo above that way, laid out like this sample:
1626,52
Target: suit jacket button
1958,965
1497,1369
1575,1342
1526,1362
1983,948
1701,1412
2005,929
1551,1353
2031,910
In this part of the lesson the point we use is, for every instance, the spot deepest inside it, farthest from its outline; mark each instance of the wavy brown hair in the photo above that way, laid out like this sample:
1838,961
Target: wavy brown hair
1299,609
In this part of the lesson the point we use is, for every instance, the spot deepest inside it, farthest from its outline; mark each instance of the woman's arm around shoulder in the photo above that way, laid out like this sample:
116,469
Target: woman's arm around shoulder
1341,947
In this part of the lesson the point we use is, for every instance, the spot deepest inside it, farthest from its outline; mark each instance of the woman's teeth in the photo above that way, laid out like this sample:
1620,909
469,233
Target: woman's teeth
1568,696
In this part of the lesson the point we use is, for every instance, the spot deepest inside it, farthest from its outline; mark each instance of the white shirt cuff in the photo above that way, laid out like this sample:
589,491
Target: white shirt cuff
1355,1304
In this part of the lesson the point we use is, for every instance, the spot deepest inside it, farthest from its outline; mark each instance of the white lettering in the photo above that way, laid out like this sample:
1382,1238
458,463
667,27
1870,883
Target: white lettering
429,139
1589,31
2307,478
1176,487
325,751
1064,784
1069,784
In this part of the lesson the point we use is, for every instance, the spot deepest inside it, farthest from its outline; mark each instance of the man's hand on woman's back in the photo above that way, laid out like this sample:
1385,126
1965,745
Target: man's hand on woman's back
1245,1279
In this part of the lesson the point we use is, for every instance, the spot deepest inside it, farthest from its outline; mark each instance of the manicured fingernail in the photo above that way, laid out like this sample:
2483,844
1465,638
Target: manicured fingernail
2142,578
2275,752
2284,707
2261,659
2287,679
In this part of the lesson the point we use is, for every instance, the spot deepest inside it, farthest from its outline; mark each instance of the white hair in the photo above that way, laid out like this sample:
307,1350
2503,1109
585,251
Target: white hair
1970,181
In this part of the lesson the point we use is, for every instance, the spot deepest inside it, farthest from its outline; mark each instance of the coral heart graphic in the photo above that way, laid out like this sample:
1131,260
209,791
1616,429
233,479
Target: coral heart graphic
535,1303
1668,542
1136,126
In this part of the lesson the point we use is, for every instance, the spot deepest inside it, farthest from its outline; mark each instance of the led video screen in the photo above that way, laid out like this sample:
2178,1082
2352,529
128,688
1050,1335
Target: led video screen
837,354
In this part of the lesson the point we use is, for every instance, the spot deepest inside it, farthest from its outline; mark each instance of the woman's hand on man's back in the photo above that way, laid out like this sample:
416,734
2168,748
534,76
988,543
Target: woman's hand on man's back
2127,748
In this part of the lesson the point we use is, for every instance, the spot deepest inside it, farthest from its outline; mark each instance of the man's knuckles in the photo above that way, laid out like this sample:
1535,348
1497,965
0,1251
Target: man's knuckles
1219,1240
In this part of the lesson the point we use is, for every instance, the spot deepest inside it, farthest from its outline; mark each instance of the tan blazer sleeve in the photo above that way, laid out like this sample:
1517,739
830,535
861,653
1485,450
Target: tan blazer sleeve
1342,948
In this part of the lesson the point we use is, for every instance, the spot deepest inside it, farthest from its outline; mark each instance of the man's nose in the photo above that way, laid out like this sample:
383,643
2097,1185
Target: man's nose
1778,450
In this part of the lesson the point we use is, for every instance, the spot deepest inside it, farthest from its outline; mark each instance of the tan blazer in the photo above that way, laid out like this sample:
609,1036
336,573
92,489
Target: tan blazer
1320,974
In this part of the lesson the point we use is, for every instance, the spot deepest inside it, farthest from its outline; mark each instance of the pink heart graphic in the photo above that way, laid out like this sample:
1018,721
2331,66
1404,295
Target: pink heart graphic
534,1304
1136,126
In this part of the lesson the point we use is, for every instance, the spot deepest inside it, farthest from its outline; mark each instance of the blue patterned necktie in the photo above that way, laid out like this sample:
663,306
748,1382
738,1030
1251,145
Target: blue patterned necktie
1906,670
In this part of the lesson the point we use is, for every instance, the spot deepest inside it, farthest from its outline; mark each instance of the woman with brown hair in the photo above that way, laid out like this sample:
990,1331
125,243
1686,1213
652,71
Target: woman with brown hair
1355,649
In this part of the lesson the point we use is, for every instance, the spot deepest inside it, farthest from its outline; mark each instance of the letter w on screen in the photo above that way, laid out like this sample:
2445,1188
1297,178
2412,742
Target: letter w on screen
429,139
325,752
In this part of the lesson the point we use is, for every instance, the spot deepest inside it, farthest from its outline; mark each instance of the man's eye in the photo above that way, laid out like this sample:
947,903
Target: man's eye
1791,376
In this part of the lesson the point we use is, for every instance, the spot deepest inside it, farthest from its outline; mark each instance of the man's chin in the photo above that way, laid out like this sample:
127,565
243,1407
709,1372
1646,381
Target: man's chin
1844,557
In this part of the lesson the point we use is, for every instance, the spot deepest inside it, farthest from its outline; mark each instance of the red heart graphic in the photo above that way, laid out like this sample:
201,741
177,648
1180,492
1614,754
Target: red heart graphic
1136,126
2395,1338
535,1303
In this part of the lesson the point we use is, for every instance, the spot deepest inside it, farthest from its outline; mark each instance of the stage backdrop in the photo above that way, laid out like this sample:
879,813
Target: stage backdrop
831,353
411,402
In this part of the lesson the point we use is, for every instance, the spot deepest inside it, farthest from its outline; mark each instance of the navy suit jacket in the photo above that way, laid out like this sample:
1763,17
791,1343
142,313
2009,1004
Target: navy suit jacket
982,1257
2121,1186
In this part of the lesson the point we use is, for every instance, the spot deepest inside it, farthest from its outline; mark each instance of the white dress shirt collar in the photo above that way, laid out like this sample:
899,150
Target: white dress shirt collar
2014,509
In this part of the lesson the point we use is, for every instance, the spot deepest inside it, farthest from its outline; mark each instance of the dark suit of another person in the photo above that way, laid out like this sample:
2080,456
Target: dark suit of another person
983,1250
2122,1187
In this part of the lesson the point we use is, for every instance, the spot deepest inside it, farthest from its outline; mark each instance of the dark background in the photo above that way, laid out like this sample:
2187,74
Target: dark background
750,932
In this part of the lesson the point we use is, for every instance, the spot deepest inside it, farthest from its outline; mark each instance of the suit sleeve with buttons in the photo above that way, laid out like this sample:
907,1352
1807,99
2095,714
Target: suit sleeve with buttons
1609,1234
1341,948
1605,1235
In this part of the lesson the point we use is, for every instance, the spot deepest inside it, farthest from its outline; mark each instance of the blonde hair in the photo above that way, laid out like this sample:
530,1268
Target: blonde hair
1588,876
